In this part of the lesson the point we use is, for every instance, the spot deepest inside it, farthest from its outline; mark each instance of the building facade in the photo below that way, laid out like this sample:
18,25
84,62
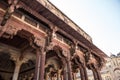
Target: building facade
39,42
111,70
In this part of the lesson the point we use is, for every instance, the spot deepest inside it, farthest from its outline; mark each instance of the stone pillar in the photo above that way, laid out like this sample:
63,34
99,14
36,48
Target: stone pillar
81,73
69,70
85,72
17,69
96,73
42,66
37,67
82,68
65,72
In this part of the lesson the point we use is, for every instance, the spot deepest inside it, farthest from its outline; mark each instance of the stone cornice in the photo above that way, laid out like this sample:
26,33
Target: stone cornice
64,18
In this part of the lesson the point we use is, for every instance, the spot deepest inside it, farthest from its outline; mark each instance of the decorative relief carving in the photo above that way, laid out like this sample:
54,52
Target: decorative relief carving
93,61
10,10
82,58
36,42
25,59
72,49
10,31
49,38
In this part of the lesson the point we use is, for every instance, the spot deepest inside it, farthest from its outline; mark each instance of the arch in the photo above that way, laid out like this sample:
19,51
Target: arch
59,51
54,61
7,66
55,56
6,63
27,69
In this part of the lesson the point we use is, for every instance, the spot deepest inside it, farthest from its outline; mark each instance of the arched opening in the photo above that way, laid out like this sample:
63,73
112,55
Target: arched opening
6,66
54,63
17,50
27,70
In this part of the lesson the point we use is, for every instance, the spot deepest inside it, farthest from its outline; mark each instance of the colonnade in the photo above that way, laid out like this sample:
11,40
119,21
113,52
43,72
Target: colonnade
67,56
68,62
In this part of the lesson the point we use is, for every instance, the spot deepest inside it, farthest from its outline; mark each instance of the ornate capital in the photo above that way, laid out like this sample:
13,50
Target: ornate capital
37,42
94,60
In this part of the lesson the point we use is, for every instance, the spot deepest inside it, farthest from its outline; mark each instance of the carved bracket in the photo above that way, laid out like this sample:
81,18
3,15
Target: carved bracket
12,6
9,31
36,42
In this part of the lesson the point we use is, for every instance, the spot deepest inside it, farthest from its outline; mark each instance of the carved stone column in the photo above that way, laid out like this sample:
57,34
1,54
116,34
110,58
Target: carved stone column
18,63
37,67
16,71
65,71
95,66
69,70
42,66
96,73
83,72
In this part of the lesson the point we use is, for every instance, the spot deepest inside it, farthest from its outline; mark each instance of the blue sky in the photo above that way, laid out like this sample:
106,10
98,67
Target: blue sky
99,18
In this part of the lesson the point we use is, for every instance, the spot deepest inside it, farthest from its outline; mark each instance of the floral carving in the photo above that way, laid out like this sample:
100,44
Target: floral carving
10,31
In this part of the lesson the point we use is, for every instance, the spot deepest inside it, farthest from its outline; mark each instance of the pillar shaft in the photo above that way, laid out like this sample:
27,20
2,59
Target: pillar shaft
85,73
42,66
37,67
96,73
69,70
65,72
16,71
81,73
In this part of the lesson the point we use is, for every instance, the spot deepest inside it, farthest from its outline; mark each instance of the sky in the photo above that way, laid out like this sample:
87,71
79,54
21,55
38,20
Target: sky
99,18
